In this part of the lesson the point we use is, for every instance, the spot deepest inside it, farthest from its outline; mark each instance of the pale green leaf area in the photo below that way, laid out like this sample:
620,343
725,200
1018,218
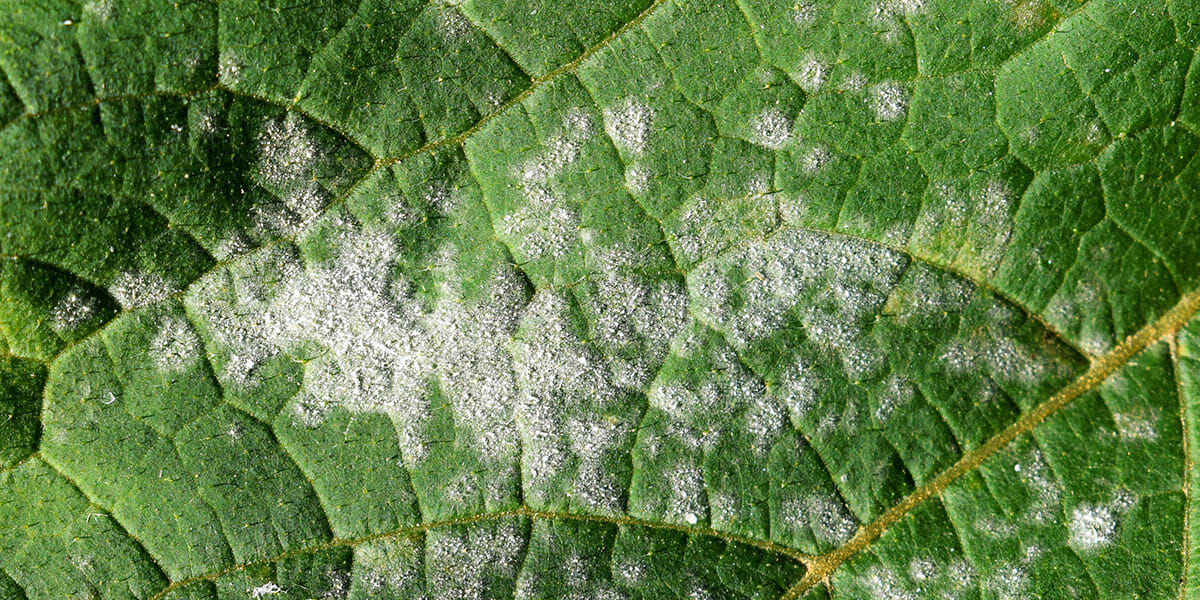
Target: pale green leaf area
599,299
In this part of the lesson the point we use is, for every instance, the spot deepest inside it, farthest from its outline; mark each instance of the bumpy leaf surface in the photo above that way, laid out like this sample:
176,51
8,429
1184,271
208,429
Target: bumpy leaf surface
609,299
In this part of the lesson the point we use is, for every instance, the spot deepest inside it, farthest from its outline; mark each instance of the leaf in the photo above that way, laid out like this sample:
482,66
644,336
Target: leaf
486,299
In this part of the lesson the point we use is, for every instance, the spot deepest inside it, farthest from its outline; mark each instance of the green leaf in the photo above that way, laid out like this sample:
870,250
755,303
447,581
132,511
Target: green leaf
646,299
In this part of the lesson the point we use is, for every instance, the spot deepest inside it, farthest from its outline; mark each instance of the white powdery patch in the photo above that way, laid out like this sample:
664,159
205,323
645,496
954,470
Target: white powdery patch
929,294
382,345
687,503
229,68
629,571
804,14
922,569
854,82
961,574
101,10
835,286
1003,356
897,392
579,578
634,317
209,122
889,101
638,178
1009,582
134,290
726,508
235,244
462,565
944,215
1137,425
287,157
545,224
176,345
758,184
629,125
1028,14
702,412
826,516
700,235
990,229
1036,474
814,159
589,439
1072,307
72,311
884,584
813,74
339,585
771,128
797,389
566,385
392,565
451,23
269,588
995,527
1091,527
437,196
765,419
792,207
889,10
286,150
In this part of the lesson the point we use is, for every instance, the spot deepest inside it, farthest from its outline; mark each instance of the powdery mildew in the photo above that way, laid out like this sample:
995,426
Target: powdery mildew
833,285
392,566
813,74
547,225
461,565
175,346
287,158
137,289
889,101
72,311
1091,527
825,515
771,128
628,125
382,346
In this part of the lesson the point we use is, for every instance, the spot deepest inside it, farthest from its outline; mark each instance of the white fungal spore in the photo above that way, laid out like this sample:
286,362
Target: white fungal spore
1137,425
462,565
846,281
1009,582
134,290
451,23
269,588
814,159
628,124
825,515
889,101
638,178
286,150
381,351
884,584
72,311
771,128
229,68
392,565
546,225
176,345
813,74
1091,527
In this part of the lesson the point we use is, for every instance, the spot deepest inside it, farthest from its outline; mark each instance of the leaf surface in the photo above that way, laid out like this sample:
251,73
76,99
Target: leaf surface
645,299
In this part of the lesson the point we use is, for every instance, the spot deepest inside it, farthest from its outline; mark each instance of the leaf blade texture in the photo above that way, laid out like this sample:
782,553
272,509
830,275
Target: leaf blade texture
646,299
